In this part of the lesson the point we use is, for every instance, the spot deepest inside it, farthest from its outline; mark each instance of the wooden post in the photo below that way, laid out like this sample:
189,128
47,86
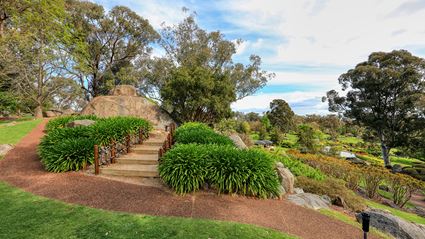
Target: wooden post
160,153
140,136
169,140
96,159
113,152
128,143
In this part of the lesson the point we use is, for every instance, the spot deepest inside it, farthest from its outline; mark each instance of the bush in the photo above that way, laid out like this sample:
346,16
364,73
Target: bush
402,187
68,154
68,149
62,121
184,168
372,178
298,168
200,134
334,188
187,168
245,172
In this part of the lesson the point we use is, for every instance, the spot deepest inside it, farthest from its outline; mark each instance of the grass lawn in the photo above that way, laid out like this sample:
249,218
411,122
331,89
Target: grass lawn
349,220
24,215
12,134
349,140
402,214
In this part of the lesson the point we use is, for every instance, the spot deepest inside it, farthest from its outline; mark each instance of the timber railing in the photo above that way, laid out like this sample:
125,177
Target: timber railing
169,141
107,154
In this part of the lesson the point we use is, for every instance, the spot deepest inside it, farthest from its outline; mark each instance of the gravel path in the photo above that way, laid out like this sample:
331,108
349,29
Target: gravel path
22,168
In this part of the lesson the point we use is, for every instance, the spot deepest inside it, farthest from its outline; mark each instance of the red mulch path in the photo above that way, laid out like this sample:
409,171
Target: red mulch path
22,168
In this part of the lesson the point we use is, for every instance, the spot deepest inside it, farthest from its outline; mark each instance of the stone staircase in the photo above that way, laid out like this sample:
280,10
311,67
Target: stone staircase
141,161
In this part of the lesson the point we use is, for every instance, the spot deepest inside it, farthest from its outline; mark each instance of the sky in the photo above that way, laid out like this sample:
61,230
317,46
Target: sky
306,43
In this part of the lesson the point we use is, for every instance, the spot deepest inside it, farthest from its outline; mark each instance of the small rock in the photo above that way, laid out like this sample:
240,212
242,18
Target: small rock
77,123
4,148
393,225
340,202
124,90
50,114
298,190
286,177
238,141
309,200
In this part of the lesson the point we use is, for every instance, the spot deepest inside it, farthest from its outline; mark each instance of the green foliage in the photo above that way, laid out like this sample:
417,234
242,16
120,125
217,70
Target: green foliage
199,133
8,104
187,168
61,122
333,188
281,115
382,95
69,149
69,154
305,135
184,168
299,168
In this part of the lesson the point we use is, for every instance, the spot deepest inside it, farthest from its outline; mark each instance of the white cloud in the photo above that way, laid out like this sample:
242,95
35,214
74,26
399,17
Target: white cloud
330,32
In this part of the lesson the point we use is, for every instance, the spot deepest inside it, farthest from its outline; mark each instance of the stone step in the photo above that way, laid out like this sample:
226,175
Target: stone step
130,170
145,149
155,142
135,158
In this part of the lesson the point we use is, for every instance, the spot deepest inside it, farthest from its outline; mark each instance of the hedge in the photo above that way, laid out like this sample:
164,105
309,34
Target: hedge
189,167
199,133
68,149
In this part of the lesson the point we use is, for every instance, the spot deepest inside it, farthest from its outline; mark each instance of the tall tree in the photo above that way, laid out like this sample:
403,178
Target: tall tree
281,115
197,79
29,49
382,95
101,48
9,9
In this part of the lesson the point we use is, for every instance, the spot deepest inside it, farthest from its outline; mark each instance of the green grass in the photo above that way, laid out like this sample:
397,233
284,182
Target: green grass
403,161
24,215
13,134
351,221
349,140
23,118
402,214
389,195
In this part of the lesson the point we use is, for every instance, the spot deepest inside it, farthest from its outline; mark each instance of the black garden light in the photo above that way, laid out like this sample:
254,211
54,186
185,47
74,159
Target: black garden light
365,224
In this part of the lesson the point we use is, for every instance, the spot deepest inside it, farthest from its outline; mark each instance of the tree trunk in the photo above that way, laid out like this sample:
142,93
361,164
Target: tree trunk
386,155
38,113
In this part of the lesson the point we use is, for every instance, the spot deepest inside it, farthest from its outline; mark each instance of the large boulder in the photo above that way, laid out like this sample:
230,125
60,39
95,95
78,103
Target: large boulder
77,123
399,228
4,148
286,178
238,141
125,102
309,200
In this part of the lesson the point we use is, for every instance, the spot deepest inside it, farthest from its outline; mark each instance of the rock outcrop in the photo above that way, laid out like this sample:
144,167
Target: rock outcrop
399,228
125,102
309,200
238,141
4,148
77,123
286,178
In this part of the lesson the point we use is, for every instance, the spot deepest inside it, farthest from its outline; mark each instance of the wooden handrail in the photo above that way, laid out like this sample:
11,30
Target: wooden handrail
96,159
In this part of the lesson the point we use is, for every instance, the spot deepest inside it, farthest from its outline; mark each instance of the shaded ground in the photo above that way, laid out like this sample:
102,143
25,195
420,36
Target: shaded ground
22,168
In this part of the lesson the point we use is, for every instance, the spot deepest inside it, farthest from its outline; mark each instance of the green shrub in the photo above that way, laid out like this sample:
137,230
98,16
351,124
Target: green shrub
184,168
68,149
334,188
200,134
187,168
68,154
245,172
61,122
299,168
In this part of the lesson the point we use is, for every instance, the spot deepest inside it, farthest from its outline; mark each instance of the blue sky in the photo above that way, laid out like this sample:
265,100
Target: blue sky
307,43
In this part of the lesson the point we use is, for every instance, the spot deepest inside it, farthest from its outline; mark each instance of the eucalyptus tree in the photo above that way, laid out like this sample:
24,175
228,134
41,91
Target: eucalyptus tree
101,48
383,95
281,115
197,80
28,53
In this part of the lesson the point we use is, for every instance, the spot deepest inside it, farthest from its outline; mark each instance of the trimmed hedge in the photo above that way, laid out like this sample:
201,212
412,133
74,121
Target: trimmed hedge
61,122
69,149
189,167
199,133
